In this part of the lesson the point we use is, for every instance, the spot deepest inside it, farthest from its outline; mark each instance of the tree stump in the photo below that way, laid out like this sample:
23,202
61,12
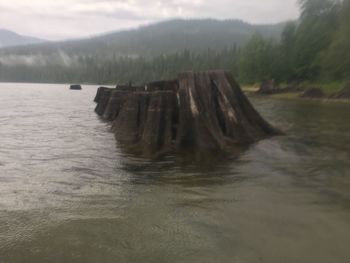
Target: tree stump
202,112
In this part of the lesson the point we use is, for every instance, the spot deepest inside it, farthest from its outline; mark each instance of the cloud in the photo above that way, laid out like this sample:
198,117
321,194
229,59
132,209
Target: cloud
53,19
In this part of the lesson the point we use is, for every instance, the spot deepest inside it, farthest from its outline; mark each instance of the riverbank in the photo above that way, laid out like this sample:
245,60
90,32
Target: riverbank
330,90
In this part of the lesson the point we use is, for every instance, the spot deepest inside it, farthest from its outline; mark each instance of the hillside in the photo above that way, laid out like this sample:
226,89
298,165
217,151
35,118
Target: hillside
155,39
9,38
156,51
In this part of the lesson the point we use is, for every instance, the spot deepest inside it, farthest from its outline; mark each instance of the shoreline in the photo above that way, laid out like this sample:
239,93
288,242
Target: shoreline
251,90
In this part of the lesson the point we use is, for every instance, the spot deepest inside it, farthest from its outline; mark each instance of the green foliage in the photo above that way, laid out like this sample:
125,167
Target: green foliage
287,56
89,69
258,60
313,9
314,34
316,48
330,87
336,59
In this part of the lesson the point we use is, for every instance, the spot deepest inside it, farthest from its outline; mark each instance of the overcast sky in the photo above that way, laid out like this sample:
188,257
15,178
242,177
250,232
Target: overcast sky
62,19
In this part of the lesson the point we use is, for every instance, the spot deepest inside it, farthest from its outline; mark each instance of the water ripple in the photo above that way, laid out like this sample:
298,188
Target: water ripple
68,194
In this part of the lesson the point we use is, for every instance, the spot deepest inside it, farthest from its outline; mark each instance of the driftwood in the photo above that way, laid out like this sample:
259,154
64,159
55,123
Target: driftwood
205,112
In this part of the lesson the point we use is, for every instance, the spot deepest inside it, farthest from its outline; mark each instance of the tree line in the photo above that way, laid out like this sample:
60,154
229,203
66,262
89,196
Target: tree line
122,70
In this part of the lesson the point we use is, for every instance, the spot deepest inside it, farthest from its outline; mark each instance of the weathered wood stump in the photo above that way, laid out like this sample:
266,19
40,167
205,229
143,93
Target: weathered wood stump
205,112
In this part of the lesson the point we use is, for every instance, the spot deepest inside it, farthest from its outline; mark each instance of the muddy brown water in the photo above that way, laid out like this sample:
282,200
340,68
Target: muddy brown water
68,194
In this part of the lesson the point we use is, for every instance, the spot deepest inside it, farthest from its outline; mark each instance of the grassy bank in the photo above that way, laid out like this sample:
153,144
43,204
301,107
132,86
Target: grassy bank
250,88
327,87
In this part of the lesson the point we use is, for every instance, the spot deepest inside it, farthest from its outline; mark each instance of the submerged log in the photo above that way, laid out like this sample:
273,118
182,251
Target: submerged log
204,112
75,87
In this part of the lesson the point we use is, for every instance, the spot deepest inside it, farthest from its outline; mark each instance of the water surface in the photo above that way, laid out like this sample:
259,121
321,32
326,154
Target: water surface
67,194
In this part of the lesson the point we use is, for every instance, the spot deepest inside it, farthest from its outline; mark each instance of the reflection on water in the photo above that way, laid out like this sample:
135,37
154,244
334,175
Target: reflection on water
68,195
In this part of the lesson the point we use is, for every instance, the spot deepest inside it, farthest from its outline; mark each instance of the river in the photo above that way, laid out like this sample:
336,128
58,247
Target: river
67,194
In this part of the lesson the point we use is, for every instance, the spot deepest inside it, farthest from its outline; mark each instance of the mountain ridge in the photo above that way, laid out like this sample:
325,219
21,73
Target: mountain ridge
157,51
10,38
158,38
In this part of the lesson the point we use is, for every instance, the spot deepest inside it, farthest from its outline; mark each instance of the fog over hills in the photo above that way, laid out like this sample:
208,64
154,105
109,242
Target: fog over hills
9,38
154,51
151,40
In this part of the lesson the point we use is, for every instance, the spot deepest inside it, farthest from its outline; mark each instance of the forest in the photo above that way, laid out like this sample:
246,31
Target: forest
313,48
